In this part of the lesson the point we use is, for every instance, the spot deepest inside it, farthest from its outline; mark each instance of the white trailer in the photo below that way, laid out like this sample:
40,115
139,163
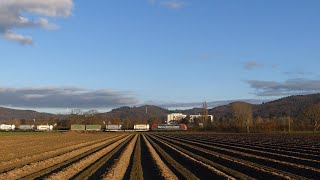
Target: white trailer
44,127
26,127
5,127
141,127
113,127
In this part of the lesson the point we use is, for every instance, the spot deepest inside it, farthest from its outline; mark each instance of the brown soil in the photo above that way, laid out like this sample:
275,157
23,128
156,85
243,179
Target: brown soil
166,173
118,171
72,170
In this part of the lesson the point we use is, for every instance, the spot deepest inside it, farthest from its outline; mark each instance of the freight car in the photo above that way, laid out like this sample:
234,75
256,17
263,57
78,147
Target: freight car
78,127
26,127
44,128
113,127
141,127
169,127
5,127
93,127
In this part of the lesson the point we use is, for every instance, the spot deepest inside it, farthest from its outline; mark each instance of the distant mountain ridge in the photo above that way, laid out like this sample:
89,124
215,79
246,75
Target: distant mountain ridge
292,105
10,114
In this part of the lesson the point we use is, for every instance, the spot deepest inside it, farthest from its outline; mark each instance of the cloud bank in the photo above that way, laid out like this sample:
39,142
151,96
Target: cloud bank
15,14
285,88
63,97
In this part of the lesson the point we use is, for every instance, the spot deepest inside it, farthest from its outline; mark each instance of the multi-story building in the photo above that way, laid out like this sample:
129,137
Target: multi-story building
175,118
192,117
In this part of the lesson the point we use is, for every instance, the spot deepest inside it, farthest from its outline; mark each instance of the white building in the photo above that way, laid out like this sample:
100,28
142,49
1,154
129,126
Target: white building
175,117
192,117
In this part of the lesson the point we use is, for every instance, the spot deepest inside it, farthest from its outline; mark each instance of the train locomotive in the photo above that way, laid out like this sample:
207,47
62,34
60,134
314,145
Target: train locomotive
168,127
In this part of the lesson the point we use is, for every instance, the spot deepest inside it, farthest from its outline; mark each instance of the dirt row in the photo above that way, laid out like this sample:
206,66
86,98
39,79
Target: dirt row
312,160
297,143
247,163
161,156
14,147
36,167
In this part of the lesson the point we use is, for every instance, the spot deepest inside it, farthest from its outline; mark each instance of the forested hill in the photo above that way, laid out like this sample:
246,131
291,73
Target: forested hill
140,114
10,114
288,106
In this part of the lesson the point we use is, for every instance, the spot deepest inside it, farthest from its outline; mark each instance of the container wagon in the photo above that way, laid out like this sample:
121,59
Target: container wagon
113,127
78,127
93,127
44,127
169,127
26,127
5,127
141,127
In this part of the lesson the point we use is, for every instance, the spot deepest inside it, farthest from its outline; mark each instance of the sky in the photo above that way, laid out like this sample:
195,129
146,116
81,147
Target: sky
58,54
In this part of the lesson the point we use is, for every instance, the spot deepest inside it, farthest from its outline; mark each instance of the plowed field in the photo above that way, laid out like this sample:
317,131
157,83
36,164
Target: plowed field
159,156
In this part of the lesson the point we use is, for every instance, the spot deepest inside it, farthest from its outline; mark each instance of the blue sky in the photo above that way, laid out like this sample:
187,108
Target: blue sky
158,51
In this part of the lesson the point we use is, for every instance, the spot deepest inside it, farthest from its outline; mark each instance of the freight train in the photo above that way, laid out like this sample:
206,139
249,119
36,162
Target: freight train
137,127
5,127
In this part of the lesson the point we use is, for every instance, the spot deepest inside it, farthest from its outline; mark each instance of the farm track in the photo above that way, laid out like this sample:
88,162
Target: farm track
280,168
168,156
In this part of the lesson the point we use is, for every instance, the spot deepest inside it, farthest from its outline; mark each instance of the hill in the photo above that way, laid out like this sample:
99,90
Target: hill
7,114
140,114
289,106
292,105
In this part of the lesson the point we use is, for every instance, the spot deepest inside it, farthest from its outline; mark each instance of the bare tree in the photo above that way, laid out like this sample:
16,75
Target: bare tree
205,114
242,113
313,114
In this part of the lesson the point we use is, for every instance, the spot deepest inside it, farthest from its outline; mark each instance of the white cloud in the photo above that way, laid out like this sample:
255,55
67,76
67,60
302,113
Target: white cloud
288,87
13,16
12,36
